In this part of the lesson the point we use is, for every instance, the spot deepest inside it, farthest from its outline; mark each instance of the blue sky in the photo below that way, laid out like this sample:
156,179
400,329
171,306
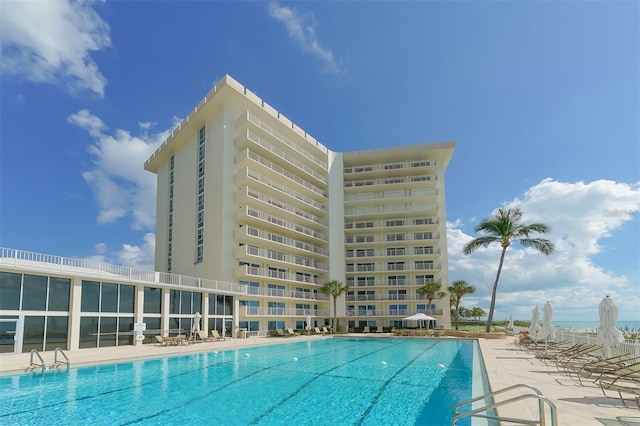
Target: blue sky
542,99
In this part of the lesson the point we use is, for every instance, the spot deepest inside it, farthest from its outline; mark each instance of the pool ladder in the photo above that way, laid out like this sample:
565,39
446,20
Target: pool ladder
489,411
56,362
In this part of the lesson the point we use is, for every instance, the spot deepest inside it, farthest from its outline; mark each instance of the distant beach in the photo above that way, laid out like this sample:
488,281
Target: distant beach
593,325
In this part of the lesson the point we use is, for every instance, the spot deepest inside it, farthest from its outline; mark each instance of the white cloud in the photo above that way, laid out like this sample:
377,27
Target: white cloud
581,215
141,256
51,41
302,29
119,182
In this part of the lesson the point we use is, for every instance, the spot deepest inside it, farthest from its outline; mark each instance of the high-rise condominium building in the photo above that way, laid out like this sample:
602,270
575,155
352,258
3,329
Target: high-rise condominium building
245,195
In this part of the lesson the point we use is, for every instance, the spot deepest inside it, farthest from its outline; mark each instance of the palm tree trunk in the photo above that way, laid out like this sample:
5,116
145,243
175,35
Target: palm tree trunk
495,290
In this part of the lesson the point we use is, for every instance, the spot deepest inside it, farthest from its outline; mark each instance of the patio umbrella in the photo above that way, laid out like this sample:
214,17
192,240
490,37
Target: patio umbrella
548,331
511,322
195,323
608,335
419,317
535,319
308,324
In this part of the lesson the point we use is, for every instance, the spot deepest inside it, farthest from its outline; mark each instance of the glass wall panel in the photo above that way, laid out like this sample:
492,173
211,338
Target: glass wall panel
57,332
109,297
90,297
212,304
219,304
7,334
197,303
59,291
33,337
10,291
88,331
174,302
127,298
34,293
228,302
125,326
174,325
152,300
108,328
186,302
153,327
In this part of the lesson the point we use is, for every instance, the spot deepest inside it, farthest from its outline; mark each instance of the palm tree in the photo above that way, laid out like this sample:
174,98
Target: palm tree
504,227
335,289
431,289
459,289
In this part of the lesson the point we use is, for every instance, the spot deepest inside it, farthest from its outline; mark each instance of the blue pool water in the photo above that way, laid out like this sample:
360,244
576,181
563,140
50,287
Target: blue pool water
339,381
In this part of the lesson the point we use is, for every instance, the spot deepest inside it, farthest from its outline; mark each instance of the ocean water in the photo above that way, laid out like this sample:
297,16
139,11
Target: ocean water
593,325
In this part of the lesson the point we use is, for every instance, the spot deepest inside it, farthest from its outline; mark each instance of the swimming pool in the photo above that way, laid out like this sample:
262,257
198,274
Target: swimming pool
338,381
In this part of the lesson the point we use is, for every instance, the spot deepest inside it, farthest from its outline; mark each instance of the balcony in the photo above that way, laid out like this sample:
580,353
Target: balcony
285,312
248,250
245,271
244,233
285,294
387,313
266,221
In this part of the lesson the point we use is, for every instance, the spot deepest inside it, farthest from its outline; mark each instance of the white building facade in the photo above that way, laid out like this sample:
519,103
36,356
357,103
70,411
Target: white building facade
245,195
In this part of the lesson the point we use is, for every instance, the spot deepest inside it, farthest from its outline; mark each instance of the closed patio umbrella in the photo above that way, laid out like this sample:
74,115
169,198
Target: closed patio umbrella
308,324
195,323
608,335
548,331
511,322
534,328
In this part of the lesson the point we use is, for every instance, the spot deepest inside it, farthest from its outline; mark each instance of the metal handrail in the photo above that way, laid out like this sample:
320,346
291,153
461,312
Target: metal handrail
478,411
31,363
55,357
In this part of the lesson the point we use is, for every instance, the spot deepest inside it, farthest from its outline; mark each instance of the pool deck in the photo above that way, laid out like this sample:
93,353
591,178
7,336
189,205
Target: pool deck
506,365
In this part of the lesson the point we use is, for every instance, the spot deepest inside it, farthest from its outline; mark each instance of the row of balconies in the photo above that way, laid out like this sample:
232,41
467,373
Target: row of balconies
300,312
398,266
364,253
249,231
280,188
367,197
386,297
249,250
285,312
421,180
279,206
385,238
247,270
278,170
391,312
250,212
282,293
386,167
398,223
388,283
252,118
386,209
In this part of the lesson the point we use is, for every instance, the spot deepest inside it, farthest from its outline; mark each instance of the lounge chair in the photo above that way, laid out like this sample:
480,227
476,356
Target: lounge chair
580,355
290,332
160,341
378,329
599,368
317,330
280,333
623,380
215,335
366,330
324,330
203,336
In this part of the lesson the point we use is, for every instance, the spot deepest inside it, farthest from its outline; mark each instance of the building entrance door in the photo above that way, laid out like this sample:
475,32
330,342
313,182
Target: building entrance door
10,335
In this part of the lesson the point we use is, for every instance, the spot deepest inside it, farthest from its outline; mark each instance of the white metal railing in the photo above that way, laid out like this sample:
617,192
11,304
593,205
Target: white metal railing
390,166
273,132
273,255
281,275
104,271
291,294
270,236
285,312
627,347
285,190
258,214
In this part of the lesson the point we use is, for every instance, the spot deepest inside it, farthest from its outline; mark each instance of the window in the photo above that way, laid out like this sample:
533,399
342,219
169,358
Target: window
395,237
423,250
424,264
420,164
200,191
396,222
392,166
366,281
423,279
365,267
399,251
396,280
422,236
395,266
365,253
423,221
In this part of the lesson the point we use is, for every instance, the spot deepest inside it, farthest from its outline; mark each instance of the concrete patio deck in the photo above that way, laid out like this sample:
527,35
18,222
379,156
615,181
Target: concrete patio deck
506,365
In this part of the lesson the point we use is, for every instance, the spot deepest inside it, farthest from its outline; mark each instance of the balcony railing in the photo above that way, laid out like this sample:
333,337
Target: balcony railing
105,271
255,213
247,270
289,294
390,166
285,312
269,236
386,313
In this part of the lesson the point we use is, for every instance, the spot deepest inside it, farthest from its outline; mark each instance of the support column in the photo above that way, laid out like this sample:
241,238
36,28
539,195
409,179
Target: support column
75,304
